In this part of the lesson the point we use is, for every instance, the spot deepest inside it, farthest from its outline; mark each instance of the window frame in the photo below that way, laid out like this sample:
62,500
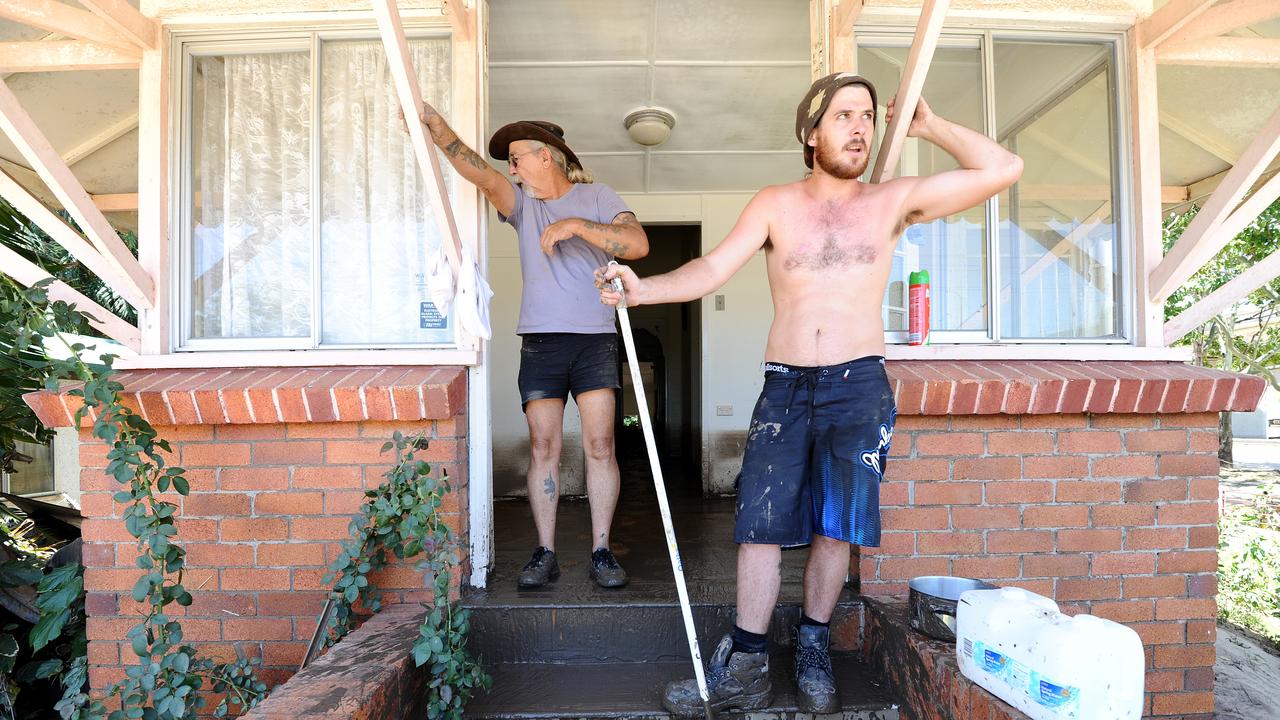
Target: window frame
1122,186
464,349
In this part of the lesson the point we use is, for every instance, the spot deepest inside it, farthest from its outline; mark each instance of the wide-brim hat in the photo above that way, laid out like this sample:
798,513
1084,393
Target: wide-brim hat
540,130
815,103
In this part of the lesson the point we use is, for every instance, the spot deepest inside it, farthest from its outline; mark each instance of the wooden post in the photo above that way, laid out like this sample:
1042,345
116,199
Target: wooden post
913,76
152,200
1144,132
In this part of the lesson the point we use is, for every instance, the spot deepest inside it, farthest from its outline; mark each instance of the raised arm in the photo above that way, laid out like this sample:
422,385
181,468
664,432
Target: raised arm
700,276
986,169
468,163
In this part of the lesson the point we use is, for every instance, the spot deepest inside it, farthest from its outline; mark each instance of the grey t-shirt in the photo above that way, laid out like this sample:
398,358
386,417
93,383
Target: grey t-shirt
560,290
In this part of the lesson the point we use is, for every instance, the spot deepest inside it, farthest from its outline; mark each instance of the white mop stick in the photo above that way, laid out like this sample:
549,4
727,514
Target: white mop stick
647,426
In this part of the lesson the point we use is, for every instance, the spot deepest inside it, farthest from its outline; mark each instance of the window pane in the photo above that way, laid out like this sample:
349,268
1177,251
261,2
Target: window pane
251,234
1059,249
377,228
32,477
954,249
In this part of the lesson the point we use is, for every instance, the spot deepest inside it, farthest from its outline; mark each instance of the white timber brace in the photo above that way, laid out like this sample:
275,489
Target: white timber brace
913,75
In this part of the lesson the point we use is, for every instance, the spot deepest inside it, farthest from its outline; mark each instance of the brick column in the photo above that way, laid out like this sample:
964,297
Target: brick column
1095,484
278,462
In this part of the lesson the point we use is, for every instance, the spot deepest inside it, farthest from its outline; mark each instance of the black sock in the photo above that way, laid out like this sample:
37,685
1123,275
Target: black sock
806,620
749,642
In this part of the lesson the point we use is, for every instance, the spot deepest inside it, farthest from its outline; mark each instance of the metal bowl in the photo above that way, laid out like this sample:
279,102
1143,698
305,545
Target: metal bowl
933,602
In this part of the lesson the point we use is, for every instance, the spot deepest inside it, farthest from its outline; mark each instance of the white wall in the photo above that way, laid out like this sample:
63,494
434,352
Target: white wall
732,348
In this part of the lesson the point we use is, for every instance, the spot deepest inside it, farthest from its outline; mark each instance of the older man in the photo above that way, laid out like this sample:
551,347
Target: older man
566,226
820,433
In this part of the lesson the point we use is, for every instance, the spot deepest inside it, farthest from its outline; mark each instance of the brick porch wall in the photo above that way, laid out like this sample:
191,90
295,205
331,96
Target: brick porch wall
272,496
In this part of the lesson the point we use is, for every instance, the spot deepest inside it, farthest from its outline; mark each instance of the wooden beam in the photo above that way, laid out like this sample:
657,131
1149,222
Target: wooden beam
1223,52
461,18
818,26
152,200
126,20
65,235
1169,19
64,20
844,48
1224,18
101,139
117,202
1198,242
23,133
28,273
1168,194
913,76
61,55
1204,187
1148,245
407,89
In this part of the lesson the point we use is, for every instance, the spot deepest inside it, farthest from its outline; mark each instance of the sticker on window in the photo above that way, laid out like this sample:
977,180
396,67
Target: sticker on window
429,318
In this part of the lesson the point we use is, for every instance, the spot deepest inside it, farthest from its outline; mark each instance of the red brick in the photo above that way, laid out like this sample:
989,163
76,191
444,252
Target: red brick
1019,541
1189,465
1202,586
1123,564
290,554
984,423
1192,561
893,543
1088,540
104,653
1149,491
1204,489
1122,420
1055,516
256,579
1039,587
1020,443
967,518
951,443
1157,586
288,452
1185,656
1054,422
895,493
895,568
1156,441
1088,491
214,454
253,529
1054,466
1124,611
914,518
320,528
1163,681
987,468
221,604
1018,492
313,579
219,555
250,432
949,493
1054,565
1190,420
1202,537
288,503
948,543
215,504
323,430
1185,608
988,568
356,452
257,629
347,503
1123,515
1204,513
1202,631
253,478
1125,466
1155,538
1159,633
289,604
287,654
328,477
1088,589
1089,441
1199,679
1203,441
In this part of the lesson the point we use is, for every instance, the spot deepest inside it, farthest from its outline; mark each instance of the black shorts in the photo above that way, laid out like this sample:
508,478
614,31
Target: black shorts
816,452
553,365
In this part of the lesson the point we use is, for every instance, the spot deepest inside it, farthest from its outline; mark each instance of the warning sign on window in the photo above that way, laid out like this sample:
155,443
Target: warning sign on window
429,318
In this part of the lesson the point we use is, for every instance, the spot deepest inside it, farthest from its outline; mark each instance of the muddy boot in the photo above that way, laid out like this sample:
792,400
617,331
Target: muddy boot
738,681
605,569
540,569
815,686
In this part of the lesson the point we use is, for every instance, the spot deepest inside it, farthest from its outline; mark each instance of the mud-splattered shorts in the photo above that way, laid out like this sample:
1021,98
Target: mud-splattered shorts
815,455
553,365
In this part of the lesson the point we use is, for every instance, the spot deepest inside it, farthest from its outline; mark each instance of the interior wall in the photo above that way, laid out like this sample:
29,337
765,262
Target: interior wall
732,342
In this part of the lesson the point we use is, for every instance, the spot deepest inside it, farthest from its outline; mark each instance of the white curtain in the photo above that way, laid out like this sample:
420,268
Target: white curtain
252,235
253,239
377,227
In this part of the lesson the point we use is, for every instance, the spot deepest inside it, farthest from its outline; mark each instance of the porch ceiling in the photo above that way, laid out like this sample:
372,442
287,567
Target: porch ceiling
731,71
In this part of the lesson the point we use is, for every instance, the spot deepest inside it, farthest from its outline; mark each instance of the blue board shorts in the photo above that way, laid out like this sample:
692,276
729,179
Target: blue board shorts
816,453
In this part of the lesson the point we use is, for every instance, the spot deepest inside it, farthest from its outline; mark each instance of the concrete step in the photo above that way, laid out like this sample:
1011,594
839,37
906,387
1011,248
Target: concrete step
633,690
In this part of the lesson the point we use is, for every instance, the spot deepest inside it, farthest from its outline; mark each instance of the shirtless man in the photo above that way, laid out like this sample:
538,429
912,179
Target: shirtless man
819,436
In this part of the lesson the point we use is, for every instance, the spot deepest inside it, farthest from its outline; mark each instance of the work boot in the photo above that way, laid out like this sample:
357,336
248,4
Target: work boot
605,569
540,569
737,681
815,687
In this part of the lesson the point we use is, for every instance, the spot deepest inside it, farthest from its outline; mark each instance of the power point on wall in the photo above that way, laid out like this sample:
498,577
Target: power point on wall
724,410
719,302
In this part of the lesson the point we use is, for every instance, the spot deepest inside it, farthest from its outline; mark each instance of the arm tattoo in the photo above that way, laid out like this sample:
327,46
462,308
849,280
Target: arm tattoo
469,156
615,248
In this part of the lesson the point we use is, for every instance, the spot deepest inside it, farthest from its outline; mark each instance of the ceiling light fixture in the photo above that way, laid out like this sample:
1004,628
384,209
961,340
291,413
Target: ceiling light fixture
649,126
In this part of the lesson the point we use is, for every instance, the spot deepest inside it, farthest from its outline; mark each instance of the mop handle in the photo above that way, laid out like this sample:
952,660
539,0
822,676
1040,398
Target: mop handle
673,550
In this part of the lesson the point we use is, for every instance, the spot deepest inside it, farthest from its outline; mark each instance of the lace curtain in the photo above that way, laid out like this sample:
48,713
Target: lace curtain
253,240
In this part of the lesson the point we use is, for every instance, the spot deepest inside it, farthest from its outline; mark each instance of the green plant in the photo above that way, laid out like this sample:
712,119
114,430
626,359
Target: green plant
168,680
402,517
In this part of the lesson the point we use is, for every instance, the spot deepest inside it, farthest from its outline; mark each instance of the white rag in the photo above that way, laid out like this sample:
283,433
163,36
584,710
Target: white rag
473,297
440,281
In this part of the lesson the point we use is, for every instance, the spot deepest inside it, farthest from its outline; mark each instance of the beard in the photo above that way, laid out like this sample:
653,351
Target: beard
837,167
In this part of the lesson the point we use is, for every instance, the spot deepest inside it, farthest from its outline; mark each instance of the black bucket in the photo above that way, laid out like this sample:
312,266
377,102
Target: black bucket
933,603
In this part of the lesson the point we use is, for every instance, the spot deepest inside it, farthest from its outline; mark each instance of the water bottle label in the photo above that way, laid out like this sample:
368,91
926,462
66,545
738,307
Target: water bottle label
1062,700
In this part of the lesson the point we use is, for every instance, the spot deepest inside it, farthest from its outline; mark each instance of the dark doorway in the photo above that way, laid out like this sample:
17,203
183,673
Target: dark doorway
668,345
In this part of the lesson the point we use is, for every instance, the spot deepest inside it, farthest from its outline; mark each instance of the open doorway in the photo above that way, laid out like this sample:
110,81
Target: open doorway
668,347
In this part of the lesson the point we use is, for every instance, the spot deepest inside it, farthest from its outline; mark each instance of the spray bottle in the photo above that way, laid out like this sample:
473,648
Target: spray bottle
918,308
